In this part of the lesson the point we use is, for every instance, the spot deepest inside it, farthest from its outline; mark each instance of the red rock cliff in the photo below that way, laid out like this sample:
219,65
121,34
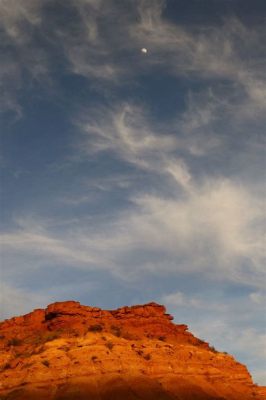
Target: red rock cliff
69,351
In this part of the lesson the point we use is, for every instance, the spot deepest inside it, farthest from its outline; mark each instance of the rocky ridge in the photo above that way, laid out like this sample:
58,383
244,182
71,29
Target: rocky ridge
69,351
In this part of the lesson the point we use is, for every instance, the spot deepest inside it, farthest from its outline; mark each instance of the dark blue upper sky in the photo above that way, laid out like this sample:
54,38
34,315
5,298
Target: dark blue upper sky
131,176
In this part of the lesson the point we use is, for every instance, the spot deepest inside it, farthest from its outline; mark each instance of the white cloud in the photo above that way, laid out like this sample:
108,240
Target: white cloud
126,132
215,227
41,245
212,229
92,47
9,74
179,299
258,298
211,224
17,301
22,57
179,171
206,51
14,14
93,50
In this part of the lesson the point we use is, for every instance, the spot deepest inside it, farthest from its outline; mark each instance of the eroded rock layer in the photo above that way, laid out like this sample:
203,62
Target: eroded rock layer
69,351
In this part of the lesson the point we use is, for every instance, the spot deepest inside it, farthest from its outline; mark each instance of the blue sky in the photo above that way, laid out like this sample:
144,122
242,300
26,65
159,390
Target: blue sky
128,176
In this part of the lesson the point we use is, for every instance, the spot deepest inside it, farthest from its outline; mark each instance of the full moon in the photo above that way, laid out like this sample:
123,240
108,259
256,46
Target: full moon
143,50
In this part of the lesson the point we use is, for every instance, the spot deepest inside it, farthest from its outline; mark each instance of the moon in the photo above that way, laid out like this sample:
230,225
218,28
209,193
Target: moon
144,50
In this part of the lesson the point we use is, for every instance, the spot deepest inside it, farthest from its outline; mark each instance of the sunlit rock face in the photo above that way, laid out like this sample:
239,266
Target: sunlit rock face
69,351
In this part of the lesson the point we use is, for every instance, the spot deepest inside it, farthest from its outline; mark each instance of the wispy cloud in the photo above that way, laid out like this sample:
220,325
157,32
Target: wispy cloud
213,229
17,301
18,17
47,246
125,131
206,52
90,47
22,59
209,222
220,219
179,299
258,298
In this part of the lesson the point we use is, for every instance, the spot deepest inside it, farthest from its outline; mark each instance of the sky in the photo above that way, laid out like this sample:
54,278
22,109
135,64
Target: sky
129,176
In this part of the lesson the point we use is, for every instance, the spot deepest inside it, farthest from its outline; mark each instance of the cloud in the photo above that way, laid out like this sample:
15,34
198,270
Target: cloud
35,34
188,222
213,229
180,299
209,127
258,298
206,51
9,74
125,131
18,17
17,301
108,56
220,218
88,52
35,245
23,59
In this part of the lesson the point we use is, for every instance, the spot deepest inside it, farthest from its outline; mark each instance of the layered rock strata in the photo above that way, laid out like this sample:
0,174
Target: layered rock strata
69,351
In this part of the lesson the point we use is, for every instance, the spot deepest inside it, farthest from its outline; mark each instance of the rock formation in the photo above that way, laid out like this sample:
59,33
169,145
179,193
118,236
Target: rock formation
69,351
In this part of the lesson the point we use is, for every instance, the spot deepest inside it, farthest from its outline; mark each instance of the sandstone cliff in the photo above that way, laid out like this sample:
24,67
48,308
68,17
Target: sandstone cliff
69,351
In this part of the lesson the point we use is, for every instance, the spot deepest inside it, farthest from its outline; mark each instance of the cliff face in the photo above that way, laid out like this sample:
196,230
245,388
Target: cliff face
69,351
